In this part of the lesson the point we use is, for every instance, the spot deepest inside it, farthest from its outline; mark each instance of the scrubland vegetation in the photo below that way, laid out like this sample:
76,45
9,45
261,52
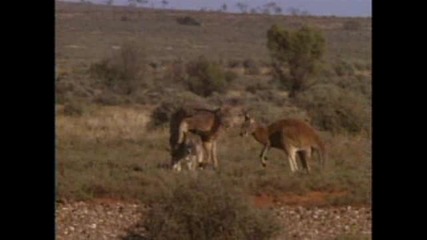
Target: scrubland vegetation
121,72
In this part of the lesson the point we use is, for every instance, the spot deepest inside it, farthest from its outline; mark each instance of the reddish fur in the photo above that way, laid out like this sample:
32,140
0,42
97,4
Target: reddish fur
203,122
286,132
297,132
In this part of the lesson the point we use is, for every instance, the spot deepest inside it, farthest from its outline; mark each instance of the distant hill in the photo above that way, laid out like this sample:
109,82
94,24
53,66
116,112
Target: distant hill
344,8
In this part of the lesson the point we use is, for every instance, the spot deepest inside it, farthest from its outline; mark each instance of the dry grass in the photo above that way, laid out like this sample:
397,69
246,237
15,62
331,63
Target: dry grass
106,151
104,124
97,29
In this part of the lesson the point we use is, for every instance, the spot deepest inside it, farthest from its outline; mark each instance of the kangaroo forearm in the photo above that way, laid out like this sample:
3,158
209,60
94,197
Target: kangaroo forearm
264,152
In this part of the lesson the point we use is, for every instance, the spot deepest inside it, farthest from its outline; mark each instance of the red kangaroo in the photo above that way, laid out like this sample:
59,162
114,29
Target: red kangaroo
203,122
290,135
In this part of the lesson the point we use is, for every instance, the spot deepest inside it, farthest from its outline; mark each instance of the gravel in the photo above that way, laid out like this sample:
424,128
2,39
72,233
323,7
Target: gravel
114,220
325,223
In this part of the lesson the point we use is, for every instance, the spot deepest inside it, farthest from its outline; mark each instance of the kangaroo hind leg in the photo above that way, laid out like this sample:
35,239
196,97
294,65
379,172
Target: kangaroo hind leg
304,158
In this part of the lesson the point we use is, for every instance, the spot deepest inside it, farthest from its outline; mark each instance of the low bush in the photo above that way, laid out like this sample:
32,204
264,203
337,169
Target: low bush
123,72
352,25
161,115
206,77
207,207
74,108
344,68
335,109
190,21
251,67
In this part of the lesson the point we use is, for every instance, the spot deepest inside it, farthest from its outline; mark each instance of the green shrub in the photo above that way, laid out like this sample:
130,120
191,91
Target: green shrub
175,72
111,99
251,67
205,77
295,55
123,72
344,68
74,108
257,87
352,25
230,76
206,207
161,114
362,66
357,84
335,109
190,21
67,90
234,63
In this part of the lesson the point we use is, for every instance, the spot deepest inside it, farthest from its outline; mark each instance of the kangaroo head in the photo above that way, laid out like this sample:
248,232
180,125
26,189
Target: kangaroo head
222,116
182,151
248,125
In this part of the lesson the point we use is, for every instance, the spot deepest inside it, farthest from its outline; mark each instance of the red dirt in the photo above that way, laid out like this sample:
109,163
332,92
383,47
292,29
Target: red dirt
310,199
110,201
314,198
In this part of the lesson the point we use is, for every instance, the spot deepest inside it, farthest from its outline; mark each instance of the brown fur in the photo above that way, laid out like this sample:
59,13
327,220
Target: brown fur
203,122
293,136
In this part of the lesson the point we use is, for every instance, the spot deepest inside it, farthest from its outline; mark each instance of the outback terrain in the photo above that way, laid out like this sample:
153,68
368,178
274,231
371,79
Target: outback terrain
121,72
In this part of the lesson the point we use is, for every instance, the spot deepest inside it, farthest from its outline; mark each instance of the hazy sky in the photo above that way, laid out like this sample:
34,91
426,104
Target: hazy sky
314,7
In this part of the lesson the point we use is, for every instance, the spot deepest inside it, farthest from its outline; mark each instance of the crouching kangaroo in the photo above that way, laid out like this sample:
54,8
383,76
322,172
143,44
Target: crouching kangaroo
189,152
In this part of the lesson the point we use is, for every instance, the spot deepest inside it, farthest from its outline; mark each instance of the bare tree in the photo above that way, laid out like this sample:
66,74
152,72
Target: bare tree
277,10
132,3
271,7
298,12
165,3
139,2
224,7
266,11
294,11
305,13
242,6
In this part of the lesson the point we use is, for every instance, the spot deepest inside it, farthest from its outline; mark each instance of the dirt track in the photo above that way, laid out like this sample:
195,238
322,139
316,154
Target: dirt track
107,219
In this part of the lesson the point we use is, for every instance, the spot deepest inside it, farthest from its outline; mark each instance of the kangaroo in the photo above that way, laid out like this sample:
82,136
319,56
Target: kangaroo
203,122
190,151
293,136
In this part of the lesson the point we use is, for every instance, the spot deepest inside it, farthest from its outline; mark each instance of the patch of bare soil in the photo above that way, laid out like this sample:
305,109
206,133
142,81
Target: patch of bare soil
314,198
302,218
98,219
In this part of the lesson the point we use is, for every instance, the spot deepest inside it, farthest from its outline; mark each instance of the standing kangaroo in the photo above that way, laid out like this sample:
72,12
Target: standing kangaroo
203,122
290,135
